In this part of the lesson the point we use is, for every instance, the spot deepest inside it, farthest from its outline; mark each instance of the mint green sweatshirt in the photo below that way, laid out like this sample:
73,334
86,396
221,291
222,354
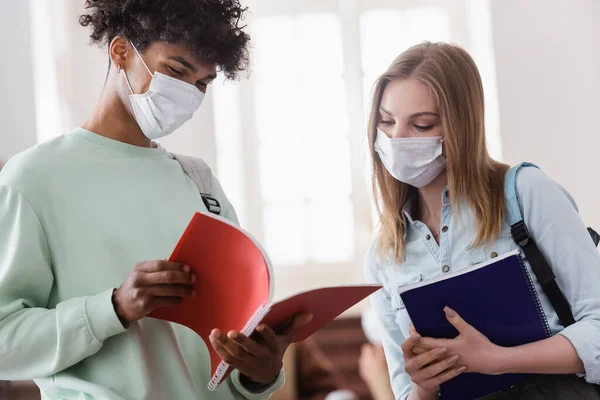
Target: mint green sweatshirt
76,214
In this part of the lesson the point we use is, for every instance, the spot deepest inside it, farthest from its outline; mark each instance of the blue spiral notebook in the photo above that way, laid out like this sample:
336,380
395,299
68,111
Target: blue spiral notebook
497,297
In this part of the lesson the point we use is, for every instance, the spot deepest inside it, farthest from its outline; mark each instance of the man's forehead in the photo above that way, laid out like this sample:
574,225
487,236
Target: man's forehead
185,56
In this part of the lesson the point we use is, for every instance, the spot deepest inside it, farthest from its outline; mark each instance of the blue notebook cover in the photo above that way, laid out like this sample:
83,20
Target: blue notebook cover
498,298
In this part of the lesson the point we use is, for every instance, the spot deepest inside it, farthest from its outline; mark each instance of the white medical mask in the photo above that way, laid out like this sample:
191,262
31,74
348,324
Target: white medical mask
167,104
414,161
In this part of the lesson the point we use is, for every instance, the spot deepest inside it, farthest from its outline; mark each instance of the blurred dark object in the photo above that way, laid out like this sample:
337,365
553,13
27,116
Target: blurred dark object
340,342
19,390
316,374
594,235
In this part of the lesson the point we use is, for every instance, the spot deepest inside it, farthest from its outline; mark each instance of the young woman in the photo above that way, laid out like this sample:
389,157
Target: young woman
442,208
81,214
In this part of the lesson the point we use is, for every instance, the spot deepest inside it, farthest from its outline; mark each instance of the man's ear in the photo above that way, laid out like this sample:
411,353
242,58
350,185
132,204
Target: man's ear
119,51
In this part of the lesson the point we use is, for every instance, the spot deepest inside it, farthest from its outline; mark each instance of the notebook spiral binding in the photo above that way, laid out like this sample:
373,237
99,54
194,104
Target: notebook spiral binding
534,295
247,331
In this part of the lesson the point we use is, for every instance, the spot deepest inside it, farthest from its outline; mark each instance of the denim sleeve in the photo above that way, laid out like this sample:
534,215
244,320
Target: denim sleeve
391,335
553,220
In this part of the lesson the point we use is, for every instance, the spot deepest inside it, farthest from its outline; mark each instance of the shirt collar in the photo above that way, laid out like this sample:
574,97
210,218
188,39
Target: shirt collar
409,207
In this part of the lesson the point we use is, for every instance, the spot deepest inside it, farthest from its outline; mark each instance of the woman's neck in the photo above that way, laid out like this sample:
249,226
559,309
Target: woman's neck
430,199
113,120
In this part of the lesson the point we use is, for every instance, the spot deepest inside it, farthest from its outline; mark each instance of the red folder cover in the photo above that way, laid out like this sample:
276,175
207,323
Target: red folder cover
234,286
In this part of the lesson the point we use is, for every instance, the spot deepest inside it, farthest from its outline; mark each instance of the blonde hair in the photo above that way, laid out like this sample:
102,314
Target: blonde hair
474,178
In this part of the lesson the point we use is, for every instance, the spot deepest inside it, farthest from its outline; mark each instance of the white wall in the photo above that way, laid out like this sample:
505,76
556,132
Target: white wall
548,71
17,110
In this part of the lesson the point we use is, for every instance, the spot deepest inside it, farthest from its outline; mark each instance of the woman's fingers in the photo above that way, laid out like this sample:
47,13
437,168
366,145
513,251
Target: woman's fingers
418,362
433,370
408,345
447,375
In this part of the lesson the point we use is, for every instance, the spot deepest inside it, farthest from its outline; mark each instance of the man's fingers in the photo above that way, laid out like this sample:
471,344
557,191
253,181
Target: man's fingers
165,301
171,291
166,277
235,351
298,322
224,353
246,343
269,337
161,265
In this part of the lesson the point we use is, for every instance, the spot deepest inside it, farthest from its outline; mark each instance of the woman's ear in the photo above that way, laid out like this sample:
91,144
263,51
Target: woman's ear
119,51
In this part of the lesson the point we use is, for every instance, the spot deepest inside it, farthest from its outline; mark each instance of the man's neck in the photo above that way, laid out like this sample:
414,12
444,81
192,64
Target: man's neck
111,119
430,198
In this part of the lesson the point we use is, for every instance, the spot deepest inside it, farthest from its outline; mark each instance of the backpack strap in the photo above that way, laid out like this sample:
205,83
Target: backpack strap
199,172
522,237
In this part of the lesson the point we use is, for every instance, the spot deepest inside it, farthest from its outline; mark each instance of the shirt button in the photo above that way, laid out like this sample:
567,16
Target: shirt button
445,269
428,237
494,254
445,229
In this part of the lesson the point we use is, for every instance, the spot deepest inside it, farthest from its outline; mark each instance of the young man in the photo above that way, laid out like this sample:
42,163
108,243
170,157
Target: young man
79,215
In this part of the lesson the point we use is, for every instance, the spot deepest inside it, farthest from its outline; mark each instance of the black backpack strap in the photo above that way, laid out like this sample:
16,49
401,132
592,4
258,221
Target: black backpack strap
543,272
594,235
522,237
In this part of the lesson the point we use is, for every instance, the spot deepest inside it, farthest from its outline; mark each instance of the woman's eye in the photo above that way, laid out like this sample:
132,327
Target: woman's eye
386,122
174,71
423,128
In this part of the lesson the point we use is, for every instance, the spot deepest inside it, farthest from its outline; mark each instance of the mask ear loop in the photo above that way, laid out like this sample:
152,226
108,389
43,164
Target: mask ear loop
143,62
140,56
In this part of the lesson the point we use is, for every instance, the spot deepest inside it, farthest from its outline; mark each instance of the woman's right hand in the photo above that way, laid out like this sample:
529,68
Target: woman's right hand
428,370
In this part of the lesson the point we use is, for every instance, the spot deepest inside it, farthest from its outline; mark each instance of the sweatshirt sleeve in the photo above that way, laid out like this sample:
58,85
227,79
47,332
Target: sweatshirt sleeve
36,341
259,392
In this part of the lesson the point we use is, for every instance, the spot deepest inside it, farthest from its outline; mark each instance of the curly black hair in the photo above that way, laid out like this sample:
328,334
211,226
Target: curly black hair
211,29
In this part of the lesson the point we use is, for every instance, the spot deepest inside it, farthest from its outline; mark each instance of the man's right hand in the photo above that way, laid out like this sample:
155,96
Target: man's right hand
150,285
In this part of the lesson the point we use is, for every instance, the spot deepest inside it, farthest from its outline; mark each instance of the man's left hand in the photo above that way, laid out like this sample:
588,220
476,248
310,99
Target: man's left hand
259,359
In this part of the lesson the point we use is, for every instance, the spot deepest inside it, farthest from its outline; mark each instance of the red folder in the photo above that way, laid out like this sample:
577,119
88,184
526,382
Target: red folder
234,286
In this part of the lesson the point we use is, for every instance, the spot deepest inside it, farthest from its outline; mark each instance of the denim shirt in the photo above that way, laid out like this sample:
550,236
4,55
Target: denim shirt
553,220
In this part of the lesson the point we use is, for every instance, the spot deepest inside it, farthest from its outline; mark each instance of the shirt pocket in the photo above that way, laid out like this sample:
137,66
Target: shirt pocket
402,318
486,252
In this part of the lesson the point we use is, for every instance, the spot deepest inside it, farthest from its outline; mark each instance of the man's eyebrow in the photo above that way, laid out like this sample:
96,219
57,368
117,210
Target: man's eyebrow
209,77
184,62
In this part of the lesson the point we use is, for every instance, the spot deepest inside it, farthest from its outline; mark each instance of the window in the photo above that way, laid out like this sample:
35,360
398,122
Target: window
301,124
387,33
293,160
